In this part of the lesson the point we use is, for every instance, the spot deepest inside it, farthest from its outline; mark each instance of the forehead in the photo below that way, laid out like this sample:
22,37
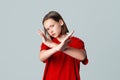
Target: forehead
49,22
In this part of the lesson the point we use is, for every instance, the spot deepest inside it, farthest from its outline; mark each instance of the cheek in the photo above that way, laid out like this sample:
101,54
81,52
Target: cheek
59,29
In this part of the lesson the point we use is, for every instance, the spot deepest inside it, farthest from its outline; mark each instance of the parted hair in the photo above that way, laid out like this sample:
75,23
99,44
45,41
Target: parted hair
55,16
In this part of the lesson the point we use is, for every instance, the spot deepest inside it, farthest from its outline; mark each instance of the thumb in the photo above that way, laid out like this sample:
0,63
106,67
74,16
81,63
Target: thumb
69,35
41,34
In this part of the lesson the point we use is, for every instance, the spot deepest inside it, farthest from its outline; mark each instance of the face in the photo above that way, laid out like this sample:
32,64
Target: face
53,27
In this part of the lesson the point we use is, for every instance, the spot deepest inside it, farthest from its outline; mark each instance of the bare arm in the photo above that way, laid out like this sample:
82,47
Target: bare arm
45,54
79,54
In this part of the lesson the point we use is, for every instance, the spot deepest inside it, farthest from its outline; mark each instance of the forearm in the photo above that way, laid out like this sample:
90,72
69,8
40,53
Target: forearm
45,54
51,44
79,54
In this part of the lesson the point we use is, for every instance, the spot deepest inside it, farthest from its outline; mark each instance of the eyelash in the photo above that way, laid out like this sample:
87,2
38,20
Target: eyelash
47,29
50,26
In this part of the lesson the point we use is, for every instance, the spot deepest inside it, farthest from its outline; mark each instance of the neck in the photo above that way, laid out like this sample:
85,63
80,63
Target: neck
61,37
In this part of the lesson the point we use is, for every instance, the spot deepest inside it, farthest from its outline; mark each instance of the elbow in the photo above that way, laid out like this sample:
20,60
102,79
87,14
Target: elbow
83,56
41,57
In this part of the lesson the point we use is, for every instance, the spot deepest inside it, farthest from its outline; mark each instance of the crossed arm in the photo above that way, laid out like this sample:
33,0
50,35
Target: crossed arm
79,54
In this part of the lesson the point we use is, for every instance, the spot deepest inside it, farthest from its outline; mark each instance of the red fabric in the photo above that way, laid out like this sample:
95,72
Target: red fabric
61,66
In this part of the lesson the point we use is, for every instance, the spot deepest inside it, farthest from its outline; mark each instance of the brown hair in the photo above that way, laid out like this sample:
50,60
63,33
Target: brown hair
55,16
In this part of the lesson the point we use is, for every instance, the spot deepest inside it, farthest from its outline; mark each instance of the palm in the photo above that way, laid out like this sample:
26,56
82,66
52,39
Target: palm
63,45
42,35
46,40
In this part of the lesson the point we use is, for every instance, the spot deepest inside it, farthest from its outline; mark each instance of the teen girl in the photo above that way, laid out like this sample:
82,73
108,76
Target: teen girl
61,51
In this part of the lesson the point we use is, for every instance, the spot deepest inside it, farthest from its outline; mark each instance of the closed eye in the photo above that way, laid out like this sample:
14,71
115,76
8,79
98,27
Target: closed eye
47,29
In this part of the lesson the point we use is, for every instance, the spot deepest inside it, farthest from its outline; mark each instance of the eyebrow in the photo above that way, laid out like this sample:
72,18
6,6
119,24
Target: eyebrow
50,26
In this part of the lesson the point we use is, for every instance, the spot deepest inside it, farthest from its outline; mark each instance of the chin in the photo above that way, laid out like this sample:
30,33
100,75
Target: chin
55,36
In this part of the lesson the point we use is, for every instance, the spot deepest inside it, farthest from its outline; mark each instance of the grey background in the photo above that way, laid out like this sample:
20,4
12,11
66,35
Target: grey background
96,22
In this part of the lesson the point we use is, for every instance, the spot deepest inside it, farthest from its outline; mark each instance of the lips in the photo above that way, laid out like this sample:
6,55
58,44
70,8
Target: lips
53,34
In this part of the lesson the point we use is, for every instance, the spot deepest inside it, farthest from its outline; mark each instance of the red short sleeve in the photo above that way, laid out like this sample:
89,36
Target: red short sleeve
78,43
85,62
43,47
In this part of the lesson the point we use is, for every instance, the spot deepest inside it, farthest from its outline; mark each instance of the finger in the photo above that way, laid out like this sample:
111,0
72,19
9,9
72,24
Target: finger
49,37
41,33
68,41
69,35
38,32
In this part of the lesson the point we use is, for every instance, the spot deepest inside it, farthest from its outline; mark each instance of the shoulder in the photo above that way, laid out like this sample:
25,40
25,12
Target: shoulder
74,38
76,42
43,47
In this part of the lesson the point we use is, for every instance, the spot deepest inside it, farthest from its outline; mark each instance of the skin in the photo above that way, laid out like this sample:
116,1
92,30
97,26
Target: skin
54,29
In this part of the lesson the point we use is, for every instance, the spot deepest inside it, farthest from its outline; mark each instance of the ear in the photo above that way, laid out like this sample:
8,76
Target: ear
61,22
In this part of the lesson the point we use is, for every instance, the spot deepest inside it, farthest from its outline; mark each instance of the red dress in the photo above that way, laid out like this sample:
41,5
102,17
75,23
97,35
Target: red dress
61,66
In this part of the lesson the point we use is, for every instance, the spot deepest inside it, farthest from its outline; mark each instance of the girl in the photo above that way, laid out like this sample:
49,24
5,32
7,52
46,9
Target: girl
61,52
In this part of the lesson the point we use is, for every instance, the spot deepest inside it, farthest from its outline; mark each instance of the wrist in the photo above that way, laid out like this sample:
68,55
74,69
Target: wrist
54,45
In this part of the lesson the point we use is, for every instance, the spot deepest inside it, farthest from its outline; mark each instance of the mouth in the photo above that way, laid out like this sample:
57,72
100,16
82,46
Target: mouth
53,34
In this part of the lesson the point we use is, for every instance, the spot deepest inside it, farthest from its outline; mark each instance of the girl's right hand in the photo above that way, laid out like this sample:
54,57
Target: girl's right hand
46,40
63,45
